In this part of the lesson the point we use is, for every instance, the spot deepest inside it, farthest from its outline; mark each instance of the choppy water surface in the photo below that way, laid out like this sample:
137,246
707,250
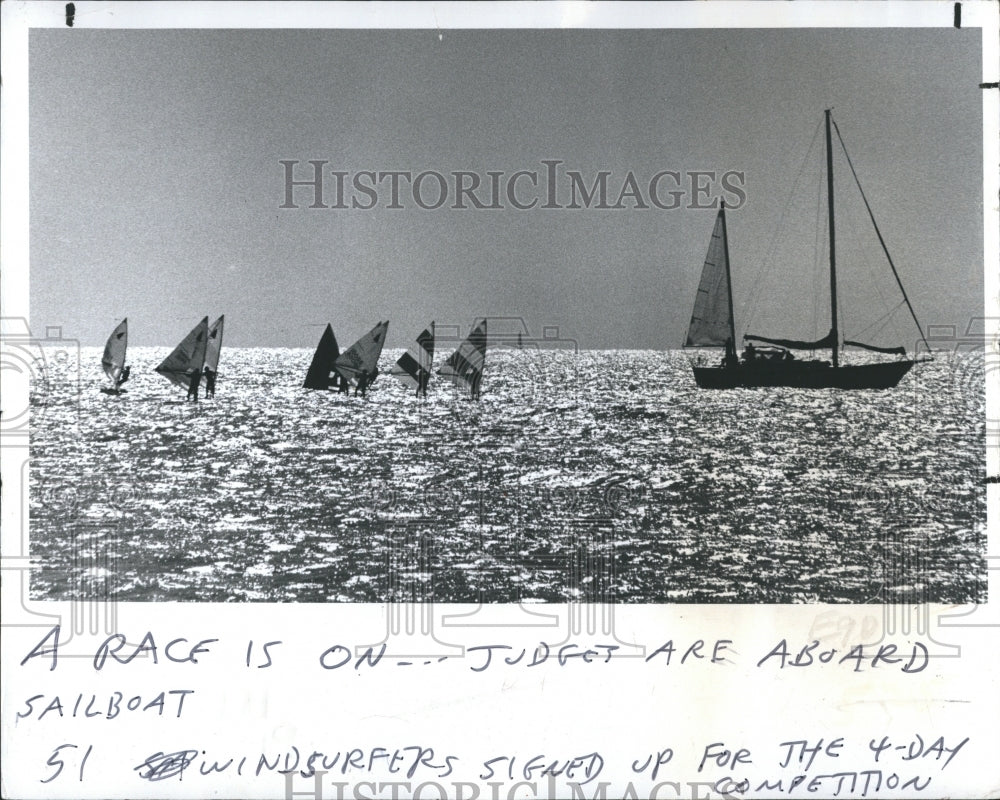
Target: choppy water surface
602,475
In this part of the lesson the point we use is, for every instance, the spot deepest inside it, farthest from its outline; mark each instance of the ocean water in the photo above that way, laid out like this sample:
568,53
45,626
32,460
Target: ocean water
590,476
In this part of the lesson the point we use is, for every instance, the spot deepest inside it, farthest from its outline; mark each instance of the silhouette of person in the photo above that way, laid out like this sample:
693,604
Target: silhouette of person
210,382
362,384
195,374
477,379
730,359
750,352
126,371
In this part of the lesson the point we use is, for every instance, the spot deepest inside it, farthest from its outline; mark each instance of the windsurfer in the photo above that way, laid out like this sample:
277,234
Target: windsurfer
126,371
477,378
209,382
195,374
362,384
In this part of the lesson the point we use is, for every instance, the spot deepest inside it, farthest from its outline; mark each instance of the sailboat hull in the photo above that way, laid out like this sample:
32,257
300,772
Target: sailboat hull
802,375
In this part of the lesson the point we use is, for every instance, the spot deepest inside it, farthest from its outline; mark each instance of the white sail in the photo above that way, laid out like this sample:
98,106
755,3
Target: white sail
361,358
414,366
188,355
114,351
214,346
711,323
464,367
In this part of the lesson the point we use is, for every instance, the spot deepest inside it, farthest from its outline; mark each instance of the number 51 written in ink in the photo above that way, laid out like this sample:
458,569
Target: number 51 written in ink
56,762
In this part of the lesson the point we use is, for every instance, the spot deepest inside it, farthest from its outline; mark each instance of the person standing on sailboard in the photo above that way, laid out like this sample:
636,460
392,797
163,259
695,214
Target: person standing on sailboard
195,374
209,381
126,371
362,384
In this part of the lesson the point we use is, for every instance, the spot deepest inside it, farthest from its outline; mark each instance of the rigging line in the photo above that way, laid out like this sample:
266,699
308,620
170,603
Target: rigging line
748,309
885,249
885,317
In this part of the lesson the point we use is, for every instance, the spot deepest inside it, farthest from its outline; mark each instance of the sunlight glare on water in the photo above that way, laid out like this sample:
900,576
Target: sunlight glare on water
592,476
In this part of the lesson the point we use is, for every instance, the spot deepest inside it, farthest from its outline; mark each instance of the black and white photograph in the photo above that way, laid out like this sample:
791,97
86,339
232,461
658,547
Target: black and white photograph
500,400
497,316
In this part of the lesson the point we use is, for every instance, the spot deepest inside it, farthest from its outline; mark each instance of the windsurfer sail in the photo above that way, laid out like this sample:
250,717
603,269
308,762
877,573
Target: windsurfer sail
414,366
358,365
212,351
464,367
321,371
113,359
185,363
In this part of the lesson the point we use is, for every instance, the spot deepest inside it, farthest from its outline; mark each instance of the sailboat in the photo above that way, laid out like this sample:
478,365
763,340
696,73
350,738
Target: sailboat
187,359
712,324
213,350
464,367
414,367
113,359
359,363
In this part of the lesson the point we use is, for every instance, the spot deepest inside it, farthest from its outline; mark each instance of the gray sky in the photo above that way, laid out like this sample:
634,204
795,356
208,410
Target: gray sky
156,183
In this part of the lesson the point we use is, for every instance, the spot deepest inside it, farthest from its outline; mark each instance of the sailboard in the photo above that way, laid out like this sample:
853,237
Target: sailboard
464,367
414,367
361,358
188,355
113,359
321,371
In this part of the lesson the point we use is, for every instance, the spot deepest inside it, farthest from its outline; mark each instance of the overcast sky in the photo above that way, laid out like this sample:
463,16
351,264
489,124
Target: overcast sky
156,178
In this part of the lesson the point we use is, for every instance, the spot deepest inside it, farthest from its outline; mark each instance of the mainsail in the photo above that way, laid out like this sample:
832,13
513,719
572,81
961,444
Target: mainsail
465,366
321,370
361,358
712,319
114,351
414,366
828,341
214,346
188,355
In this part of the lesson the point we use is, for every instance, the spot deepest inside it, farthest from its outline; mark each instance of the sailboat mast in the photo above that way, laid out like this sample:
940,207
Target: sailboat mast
833,251
729,280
